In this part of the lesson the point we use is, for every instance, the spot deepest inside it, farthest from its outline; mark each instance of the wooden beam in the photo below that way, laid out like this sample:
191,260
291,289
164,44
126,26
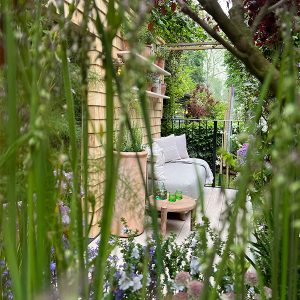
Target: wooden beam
195,48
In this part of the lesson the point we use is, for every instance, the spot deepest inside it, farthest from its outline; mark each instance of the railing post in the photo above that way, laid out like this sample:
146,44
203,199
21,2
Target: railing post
214,152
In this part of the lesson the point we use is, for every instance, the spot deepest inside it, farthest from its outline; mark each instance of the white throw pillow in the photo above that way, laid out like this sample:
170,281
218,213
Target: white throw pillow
168,144
181,146
159,162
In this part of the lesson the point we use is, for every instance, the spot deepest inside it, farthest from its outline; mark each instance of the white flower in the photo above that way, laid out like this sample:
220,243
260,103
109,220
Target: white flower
137,282
135,252
195,266
125,282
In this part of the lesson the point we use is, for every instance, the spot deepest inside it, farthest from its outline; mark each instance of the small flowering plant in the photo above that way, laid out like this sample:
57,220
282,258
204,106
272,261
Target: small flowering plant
242,154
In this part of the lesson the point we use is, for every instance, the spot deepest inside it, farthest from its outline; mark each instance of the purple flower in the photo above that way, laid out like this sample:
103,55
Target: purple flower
152,251
118,294
68,175
65,220
52,266
117,275
242,152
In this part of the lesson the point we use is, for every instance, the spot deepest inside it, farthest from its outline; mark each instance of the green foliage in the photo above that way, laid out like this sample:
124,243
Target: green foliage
228,158
145,36
174,26
194,60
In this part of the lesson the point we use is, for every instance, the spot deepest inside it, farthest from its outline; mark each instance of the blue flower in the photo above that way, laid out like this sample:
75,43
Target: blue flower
117,275
135,252
52,266
125,282
137,284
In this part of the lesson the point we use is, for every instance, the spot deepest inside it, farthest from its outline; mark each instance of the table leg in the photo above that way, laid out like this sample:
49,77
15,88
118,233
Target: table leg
183,216
163,220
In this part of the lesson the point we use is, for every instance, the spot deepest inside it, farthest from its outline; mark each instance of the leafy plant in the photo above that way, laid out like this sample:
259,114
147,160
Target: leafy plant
132,140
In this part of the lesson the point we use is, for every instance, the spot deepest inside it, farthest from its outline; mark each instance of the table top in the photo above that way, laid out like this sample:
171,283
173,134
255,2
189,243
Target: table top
185,204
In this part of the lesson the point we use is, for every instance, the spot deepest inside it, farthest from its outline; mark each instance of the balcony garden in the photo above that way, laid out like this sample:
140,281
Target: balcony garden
84,84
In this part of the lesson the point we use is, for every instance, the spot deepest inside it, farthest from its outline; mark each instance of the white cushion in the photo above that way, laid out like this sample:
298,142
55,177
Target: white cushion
158,160
181,146
168,144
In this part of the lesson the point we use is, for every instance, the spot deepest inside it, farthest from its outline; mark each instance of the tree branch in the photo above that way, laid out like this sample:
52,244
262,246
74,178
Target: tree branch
188,11
237,12
276,5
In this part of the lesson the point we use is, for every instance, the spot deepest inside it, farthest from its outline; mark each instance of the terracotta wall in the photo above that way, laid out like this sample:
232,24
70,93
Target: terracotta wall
96,103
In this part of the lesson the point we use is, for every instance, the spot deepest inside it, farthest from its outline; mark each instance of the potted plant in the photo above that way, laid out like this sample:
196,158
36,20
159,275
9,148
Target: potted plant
129,208
160,56
146,38
163,88
151,79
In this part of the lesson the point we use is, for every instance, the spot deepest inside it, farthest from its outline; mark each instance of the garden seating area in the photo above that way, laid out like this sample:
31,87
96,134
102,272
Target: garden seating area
214,202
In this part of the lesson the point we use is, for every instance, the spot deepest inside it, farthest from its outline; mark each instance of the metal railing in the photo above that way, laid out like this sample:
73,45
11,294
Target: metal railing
204,138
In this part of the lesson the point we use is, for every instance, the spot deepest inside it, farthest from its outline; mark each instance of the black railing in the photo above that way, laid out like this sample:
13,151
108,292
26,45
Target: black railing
204,138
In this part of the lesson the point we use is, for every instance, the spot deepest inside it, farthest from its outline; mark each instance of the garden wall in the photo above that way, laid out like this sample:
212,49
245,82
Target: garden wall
97,103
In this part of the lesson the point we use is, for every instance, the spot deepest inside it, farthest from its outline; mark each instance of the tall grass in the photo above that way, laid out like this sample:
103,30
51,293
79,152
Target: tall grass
31,228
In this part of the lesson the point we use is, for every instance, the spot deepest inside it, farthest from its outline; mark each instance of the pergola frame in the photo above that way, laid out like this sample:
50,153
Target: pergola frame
194,46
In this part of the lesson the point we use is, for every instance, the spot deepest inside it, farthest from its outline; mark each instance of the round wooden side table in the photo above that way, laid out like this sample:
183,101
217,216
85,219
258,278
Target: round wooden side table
182,206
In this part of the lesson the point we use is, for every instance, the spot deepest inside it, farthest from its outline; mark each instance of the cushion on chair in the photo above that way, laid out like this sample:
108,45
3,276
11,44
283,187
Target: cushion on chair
158,161
168,144
181,146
